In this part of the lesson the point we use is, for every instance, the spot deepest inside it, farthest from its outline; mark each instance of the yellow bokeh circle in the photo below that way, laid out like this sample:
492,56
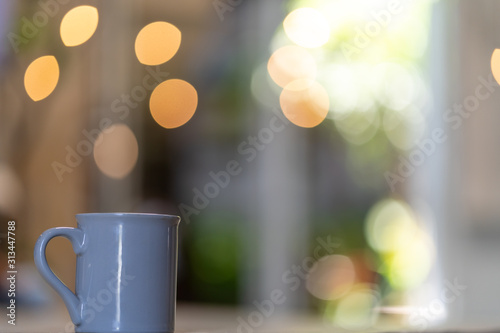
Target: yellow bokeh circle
291,63
157,43
495,65
305,103
41,77
78,25
307,27
173,103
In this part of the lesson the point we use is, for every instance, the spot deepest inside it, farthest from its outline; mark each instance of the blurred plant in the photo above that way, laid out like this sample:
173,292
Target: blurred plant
368,56
213,255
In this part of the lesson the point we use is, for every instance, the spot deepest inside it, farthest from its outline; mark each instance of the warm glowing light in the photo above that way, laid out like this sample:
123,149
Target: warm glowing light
291,63
173,103
116,151
411,264
307,27
390,226
495,65
355,310
343,87
406,250
331,277
41,77
394,85
157,43
348,87
305,103
78,25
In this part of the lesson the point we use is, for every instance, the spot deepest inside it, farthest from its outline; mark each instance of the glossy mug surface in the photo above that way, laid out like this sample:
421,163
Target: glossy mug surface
126,271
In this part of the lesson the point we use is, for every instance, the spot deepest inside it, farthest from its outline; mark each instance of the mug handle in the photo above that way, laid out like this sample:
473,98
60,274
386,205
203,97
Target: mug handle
76,237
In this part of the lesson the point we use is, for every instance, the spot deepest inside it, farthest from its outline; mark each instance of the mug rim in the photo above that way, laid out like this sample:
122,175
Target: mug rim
125,214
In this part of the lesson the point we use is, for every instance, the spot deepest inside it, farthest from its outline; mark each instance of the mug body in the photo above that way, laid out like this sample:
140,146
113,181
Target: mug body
126,273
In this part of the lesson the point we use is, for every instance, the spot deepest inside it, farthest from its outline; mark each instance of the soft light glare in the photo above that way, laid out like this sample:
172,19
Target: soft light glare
78,25
305,103
409,267
407,252
390,226
173,103
404,128
291,63
347,87
307,27
331,277
343,87
355,311
157,43
394,85
116,151
41,77
358,127
495,65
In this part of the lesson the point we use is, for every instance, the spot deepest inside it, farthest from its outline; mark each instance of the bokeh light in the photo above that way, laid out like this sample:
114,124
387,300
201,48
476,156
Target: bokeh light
305,103
331,277
291,63
390,225
495,65
410,265
404,128
348,88
157,43
78,25
394,85
41,77
358,127
355,311
307,27
406,250
116,151
173,103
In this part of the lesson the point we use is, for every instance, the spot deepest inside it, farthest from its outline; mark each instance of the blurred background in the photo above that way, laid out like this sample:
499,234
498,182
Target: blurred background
333,161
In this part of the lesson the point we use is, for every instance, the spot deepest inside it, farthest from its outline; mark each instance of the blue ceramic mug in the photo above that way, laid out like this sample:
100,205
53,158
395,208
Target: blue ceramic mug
126,272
